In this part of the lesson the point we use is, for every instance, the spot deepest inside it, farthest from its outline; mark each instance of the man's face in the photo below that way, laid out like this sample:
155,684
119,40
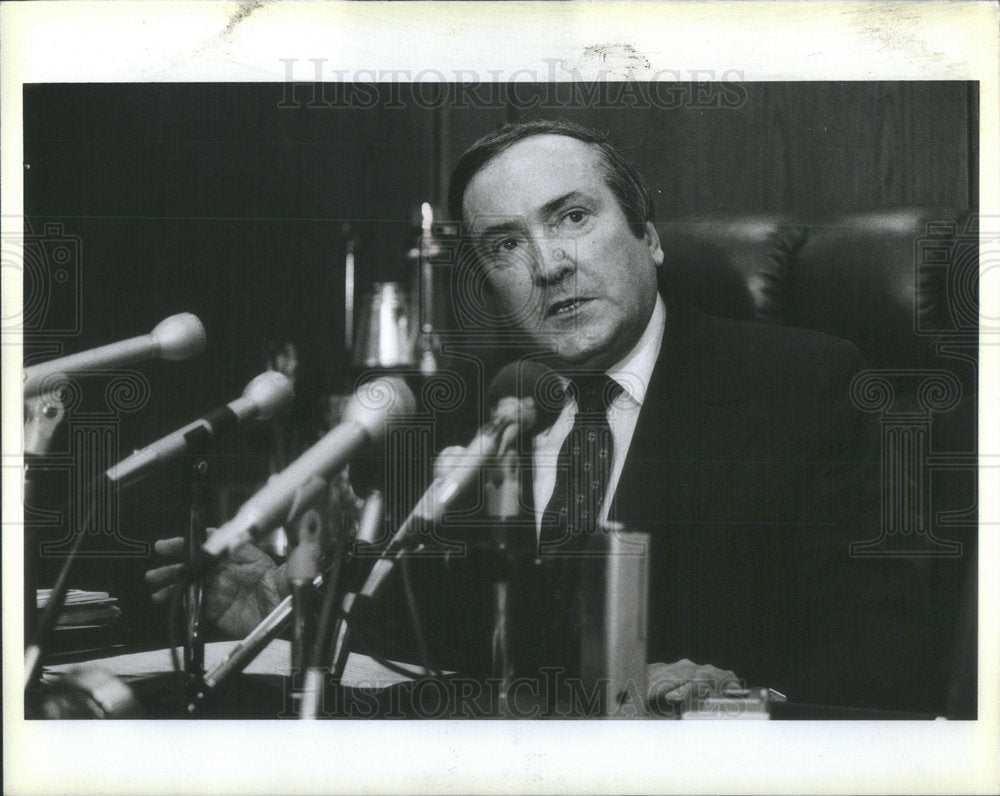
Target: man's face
558,252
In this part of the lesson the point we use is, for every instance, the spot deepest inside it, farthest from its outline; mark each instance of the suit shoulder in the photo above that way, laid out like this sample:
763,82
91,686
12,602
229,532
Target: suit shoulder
760,349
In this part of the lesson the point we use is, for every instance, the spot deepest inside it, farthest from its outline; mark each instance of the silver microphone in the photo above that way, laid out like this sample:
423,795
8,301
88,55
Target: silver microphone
177,337
365,420
267,395
521,395
526,397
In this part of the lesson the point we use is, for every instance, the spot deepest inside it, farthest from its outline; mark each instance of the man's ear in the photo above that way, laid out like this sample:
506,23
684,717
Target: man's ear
653,244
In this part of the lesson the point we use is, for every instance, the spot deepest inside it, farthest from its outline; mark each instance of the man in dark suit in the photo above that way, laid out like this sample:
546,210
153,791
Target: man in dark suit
734,444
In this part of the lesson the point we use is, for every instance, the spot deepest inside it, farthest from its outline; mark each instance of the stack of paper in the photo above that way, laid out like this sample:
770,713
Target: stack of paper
83,608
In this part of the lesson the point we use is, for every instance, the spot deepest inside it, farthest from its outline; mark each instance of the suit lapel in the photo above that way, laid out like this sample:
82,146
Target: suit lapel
692,429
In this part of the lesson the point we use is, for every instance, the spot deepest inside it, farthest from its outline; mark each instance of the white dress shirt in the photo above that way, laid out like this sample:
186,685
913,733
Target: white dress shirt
633,373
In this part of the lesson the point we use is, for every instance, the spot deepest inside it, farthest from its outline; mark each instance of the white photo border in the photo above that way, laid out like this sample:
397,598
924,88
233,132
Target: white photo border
251,41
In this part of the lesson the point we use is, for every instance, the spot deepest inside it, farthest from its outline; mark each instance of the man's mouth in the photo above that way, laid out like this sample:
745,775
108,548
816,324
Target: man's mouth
565,307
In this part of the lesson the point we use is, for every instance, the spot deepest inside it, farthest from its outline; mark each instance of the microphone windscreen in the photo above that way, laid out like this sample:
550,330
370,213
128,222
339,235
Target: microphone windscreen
530,380
377,401
271,393
180,336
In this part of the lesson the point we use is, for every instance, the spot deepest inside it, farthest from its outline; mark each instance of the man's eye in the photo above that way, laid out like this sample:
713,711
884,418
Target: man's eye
503,247
576,216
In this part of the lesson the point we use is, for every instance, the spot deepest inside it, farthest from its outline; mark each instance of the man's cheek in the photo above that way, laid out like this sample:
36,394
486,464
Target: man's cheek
519,301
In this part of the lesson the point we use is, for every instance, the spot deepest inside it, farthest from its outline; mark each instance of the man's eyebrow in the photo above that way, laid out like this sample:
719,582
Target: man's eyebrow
500,227
561,201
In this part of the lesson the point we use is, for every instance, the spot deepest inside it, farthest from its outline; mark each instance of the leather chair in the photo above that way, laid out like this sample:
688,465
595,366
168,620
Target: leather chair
902,284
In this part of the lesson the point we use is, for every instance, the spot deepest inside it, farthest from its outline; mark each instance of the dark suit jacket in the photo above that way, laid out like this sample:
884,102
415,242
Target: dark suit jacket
753,473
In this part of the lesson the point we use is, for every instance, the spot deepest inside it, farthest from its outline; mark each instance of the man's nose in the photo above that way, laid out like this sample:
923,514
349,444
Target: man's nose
553,260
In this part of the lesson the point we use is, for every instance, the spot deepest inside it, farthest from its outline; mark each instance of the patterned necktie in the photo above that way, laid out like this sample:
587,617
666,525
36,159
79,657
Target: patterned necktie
583,468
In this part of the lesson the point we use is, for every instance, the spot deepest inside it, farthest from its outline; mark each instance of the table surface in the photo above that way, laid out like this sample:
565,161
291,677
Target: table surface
264,691
275,659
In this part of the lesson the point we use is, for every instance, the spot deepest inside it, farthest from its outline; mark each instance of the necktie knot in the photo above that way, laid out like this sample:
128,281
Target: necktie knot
594,394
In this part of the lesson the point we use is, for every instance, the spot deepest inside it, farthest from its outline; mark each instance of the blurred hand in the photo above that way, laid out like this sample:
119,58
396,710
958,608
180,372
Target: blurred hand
684,681
42,416
242,589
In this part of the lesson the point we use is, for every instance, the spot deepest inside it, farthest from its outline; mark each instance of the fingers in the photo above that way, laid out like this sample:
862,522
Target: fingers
164,576
680,681
667,680
247,553
170,548
175,546
163,595
165,579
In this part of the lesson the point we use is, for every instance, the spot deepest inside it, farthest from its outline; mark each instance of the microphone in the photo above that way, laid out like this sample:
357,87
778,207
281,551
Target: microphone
266,396
177,337
366,416
525,397
371,519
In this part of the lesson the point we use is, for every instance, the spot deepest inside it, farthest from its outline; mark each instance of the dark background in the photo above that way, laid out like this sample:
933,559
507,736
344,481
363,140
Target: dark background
234,202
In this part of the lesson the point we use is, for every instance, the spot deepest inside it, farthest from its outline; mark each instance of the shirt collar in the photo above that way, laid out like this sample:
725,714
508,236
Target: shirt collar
634,371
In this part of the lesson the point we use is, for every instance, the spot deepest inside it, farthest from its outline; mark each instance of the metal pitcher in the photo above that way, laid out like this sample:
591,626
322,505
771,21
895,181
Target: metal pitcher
386,335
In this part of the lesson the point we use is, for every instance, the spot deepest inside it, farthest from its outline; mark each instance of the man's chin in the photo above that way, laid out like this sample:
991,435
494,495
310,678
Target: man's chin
575,357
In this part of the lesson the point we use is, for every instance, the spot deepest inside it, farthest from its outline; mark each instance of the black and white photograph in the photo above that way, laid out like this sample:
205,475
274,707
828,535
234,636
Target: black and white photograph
573,399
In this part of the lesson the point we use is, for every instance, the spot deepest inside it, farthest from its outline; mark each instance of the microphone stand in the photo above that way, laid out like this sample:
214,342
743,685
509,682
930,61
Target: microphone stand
46,413
369,531
313,683
199,482
199,486
244,653
332,630
43,414
502,503
295,609
303,568
35,652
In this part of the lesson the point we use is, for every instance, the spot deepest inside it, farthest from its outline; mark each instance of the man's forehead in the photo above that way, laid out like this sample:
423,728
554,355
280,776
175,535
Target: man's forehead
530,175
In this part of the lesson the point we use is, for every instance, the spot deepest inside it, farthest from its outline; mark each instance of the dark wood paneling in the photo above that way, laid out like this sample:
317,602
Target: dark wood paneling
805,148
462,124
